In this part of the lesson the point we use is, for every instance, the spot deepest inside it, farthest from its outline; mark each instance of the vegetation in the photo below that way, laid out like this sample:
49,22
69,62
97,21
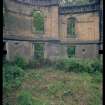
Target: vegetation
20,61
71,27
49,86
71,51
38,21
12,77
39,51
25,98
72,82
80,65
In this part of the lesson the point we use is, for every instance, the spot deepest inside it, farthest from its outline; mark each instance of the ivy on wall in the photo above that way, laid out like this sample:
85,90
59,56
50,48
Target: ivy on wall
71,27
39,51
38,21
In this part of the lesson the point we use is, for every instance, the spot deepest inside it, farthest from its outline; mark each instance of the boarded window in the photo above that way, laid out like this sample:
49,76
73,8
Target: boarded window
38,21
71,27
71,51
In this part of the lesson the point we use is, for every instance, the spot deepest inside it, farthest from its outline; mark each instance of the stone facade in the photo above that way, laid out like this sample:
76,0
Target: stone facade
86,51
19,21
17,48
87,26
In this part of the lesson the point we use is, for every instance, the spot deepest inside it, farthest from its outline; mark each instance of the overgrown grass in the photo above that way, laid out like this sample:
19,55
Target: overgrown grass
63,88
79,65
55,87
12,76
67,82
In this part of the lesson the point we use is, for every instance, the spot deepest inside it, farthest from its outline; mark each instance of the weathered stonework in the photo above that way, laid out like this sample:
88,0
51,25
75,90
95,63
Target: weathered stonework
87,26
86,51
19,22
55,51
16,48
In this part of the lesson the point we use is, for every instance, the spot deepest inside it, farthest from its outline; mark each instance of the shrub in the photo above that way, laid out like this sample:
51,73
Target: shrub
69,65
25,98
61,64
19,61
12,76
79,65
96,66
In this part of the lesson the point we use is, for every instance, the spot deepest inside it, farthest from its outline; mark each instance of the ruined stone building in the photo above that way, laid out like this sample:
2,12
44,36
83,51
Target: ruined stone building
62,30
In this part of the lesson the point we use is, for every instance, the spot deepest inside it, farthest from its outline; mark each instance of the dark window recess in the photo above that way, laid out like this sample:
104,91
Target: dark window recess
83,50
16,43
71,51
100,51
39,51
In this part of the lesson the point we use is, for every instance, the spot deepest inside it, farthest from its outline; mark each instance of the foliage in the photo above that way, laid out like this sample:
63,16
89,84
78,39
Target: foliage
58,88
20,61
25,98
38,52
12,76
40,102
54,88
38,59
80,65
71,51
42,62
71,27
93,66
38,21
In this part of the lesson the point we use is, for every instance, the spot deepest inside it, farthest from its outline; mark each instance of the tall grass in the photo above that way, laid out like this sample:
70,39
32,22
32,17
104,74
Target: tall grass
79,65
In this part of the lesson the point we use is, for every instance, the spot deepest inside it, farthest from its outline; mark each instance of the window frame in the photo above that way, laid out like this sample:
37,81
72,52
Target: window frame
39,50
71,21
33,24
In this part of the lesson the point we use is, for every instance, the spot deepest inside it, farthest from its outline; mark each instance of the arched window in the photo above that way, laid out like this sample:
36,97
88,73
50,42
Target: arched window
71,27
38,21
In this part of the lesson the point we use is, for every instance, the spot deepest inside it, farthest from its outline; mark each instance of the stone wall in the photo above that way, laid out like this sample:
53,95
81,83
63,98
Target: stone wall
58,51
87,26
86,51
17,48
51,22
18,25
55,51
20,20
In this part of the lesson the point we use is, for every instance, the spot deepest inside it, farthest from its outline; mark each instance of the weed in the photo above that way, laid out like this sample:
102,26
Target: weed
79,65
12,76
25,98
19,61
